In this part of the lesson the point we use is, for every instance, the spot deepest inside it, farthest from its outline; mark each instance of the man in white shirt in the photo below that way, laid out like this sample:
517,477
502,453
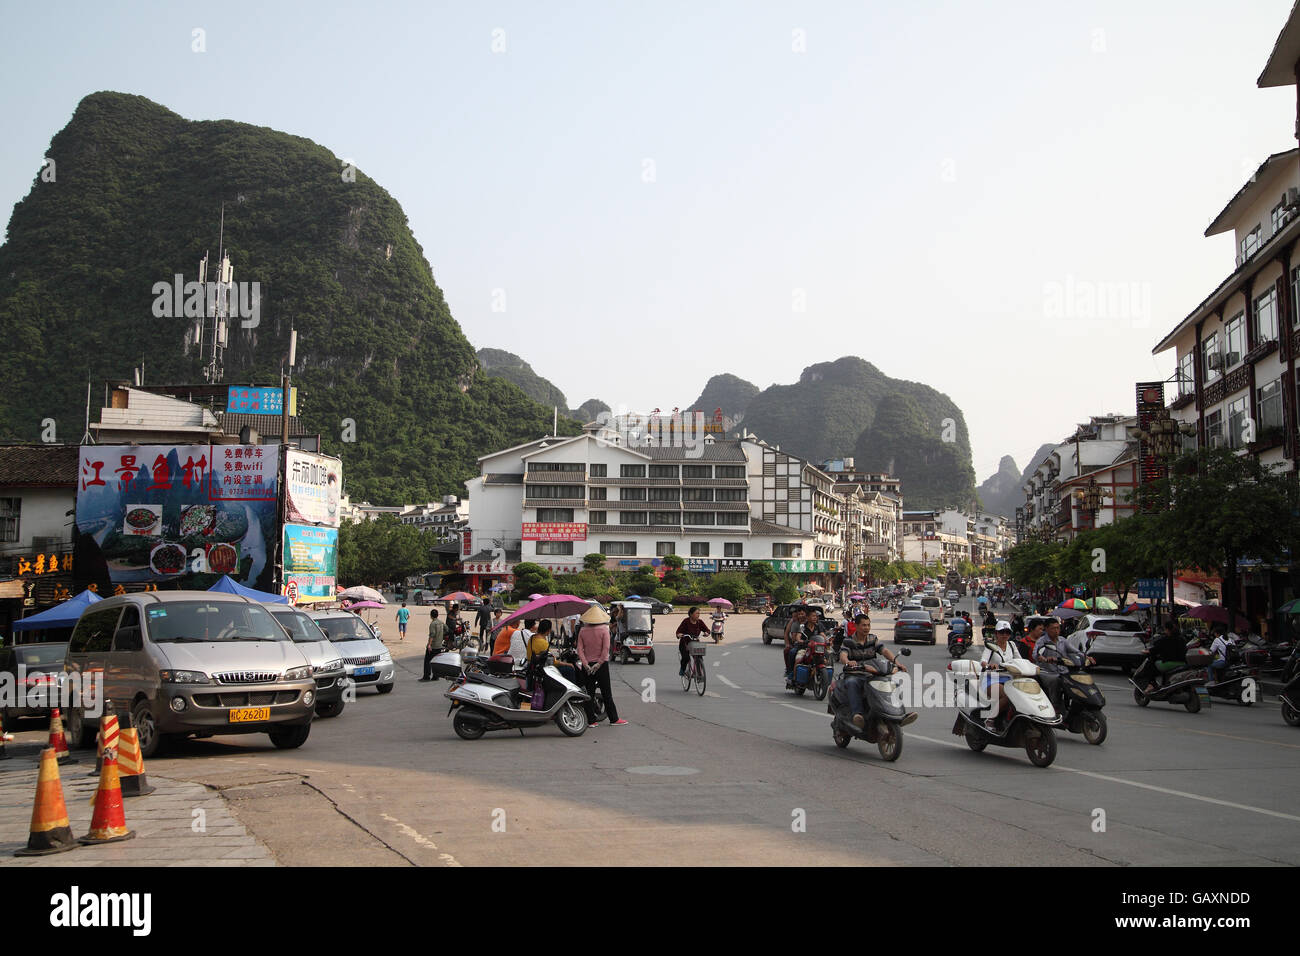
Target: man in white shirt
1224,640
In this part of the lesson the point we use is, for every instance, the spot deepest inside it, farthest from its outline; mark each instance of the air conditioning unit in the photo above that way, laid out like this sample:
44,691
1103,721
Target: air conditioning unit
1292,197
1216,360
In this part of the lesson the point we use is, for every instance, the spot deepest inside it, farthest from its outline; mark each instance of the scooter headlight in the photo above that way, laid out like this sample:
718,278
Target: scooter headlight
1083,678
1026,686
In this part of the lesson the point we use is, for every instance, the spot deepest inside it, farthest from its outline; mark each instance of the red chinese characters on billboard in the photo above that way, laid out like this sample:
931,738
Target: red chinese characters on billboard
554,531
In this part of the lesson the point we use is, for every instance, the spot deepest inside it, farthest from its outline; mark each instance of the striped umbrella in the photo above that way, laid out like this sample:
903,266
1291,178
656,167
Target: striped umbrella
1074,604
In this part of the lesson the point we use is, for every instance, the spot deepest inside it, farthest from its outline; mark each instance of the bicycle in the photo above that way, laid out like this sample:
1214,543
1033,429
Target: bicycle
695,668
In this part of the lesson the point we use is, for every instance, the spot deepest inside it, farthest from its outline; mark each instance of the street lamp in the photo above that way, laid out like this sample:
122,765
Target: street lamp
1162,434
1090,498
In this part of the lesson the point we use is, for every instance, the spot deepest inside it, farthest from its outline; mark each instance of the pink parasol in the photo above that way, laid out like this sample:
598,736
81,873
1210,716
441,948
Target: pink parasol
720,602
360,604
1216,614
549,606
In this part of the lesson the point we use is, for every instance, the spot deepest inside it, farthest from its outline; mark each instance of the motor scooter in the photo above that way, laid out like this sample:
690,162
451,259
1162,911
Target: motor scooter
1032,718
1072,691
885,717
1185,685
812,668
1238,681
1290,695
484,701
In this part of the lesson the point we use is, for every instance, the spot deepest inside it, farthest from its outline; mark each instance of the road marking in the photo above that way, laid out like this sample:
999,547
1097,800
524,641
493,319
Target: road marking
717,663
725,653
722,677
806,710
754,693
420,839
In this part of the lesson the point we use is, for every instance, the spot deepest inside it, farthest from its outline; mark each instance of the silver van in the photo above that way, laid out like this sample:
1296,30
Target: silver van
934,606
326,662
191,662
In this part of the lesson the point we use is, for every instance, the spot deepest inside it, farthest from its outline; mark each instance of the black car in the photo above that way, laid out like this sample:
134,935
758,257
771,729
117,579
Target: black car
913,626
774,624
657,606
42,667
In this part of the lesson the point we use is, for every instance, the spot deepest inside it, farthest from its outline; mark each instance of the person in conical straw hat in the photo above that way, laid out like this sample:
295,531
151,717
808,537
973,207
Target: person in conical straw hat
593,662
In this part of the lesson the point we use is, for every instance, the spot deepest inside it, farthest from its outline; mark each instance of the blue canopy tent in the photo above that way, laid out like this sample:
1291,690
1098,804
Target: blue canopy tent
228,585
61,615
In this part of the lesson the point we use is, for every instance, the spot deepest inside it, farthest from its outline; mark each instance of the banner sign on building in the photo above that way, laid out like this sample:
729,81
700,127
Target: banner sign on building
259,401
703,565
312,484
733,564
167,513
805,566
311,561
1150,404
554,531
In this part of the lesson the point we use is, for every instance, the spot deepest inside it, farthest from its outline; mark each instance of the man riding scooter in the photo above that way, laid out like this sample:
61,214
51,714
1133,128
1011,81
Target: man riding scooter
857,655
1167,654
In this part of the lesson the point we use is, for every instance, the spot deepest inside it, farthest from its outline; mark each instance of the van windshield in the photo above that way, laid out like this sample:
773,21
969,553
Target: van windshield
300,627
211,621
39,654
349,628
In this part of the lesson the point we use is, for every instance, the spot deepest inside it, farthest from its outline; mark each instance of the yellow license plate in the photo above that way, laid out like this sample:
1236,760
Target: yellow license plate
243,715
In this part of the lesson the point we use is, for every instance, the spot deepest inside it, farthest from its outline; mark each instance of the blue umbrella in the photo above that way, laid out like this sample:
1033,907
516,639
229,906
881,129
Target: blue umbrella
635,597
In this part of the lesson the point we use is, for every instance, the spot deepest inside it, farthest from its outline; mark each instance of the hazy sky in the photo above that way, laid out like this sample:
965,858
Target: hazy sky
659,188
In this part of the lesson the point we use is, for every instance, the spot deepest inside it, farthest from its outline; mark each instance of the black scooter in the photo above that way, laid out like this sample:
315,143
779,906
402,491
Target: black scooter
885,716
1181,686
1290,696
959,642
1073,692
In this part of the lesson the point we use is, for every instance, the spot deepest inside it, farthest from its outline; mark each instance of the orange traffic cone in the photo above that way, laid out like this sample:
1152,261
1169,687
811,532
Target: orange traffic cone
50,832
130,764
57,740
108,822
107,737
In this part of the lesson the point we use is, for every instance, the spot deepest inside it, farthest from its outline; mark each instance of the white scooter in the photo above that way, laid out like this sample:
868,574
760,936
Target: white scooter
1030,720
483,700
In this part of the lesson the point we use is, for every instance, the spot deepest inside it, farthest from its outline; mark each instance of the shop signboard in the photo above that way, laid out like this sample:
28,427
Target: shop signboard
311,561
701,565
554,531
312,484
179,515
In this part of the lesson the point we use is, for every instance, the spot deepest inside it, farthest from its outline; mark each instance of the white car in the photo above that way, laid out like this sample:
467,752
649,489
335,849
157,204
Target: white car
365,658
1111,639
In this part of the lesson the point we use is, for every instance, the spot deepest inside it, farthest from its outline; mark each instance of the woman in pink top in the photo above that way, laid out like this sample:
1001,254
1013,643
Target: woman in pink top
593,660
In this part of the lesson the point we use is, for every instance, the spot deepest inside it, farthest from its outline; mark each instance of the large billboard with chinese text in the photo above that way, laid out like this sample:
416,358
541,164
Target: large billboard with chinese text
176,515
312,485
311,561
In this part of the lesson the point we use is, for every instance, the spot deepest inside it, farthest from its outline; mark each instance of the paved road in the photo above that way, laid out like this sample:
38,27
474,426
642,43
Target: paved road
748,774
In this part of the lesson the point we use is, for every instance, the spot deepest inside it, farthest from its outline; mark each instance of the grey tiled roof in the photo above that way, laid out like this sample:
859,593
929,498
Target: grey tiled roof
39,464
759,526
503,479
724,451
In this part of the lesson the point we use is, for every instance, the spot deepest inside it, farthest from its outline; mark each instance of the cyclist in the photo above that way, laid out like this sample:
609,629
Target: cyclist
689,630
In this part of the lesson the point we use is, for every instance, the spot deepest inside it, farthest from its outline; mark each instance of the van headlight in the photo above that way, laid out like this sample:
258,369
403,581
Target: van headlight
331,667
183,677
298,673
385,658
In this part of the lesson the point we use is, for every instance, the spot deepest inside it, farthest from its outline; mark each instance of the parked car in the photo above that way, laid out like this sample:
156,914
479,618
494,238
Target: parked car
325,660
42,672
914,626
658,607
1113,640
366,660
774,624
191,662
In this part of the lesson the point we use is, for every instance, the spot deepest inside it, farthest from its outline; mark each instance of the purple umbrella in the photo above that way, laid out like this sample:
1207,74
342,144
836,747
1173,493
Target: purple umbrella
550,606
720,602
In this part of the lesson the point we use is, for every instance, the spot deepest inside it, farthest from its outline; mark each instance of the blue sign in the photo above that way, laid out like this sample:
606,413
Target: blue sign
255,401
1152,588
707,565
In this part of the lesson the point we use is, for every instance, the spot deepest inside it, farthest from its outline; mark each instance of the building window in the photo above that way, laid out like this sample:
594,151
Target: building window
1295,296
555,491
631,494
663,471
664,494
621,549
1212,366
1235,334
10,512
698,518
555,547
1236,422
631,471
554,514
1186,374
1214,429
731,471
555,466
1269,400
730,494
663,517
1277,218
664,548
597,494
599,471
697,471
785,550
1266,317
1251,242
632,517
699,549
733,517
697,494
597,517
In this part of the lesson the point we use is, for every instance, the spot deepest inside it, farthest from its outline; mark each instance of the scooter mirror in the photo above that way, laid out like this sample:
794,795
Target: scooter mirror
906,652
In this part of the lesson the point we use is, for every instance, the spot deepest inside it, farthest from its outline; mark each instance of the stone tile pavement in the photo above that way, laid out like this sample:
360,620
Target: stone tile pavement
179,824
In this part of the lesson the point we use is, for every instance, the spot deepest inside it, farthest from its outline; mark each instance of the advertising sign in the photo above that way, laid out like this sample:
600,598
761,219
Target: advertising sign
554,531
707,565
312,484
311,561
805,566
167,513
733,564
259,401
1150,405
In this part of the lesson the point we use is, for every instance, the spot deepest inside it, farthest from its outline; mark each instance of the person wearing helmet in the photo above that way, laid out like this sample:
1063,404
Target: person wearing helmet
996,653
